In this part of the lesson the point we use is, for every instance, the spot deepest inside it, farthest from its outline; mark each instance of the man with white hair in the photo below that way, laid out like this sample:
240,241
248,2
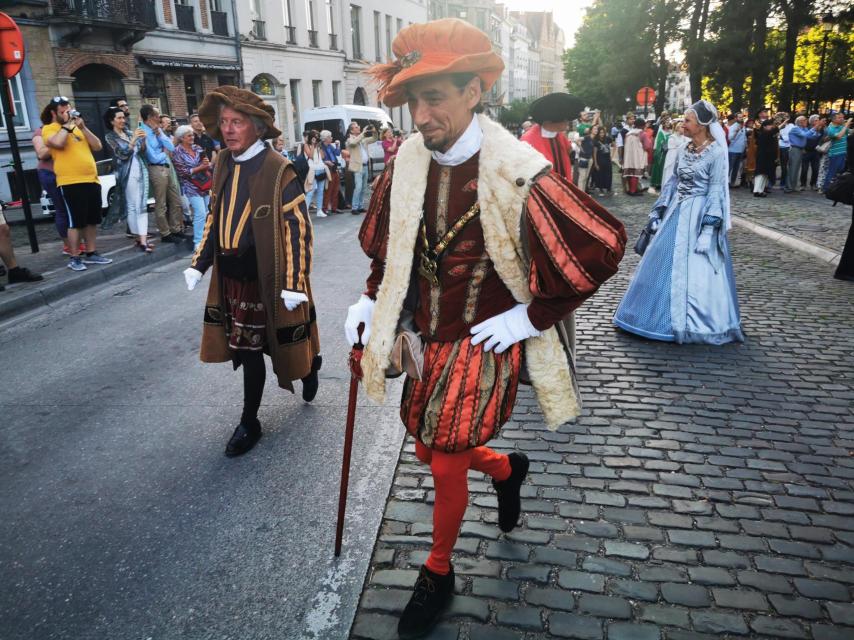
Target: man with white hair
811,159
260,251
799,137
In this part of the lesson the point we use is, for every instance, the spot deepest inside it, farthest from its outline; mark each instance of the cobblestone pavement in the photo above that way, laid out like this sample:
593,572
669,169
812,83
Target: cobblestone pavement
806,215
706,492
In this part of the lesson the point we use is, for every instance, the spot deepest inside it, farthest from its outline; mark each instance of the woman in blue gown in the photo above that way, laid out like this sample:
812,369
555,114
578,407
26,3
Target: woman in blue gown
684,287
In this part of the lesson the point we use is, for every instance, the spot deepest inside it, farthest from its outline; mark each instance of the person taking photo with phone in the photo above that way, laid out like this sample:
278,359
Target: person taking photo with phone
71,145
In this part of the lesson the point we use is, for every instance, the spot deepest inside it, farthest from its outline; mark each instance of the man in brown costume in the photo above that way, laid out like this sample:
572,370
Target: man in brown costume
258,239
487,249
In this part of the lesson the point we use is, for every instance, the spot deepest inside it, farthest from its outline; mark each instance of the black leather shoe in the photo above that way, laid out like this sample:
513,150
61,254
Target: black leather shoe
311,382
243,439
432,594
509,500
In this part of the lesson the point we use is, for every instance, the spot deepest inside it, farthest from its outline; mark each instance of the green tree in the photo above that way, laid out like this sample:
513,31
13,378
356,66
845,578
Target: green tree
613,54
694,44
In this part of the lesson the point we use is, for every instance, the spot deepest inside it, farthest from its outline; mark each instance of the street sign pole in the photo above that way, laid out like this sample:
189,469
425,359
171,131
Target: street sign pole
9,114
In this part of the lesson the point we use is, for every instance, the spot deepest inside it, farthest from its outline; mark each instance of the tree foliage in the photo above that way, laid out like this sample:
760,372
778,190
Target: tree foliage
613,54
740,53
515,113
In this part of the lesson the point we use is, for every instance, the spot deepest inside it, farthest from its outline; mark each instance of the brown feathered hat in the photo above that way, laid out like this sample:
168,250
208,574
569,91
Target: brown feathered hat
436,48
239,100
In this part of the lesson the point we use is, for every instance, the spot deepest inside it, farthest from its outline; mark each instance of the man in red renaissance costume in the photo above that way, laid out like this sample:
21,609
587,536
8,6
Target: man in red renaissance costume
552,114
480,247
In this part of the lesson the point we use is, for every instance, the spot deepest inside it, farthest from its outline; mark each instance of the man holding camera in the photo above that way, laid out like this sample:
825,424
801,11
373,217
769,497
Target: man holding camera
357,145
71,145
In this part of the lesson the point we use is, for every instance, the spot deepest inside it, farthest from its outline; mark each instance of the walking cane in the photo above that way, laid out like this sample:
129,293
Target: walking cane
355,376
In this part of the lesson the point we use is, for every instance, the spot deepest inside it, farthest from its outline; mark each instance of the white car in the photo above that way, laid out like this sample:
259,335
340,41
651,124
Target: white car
108,188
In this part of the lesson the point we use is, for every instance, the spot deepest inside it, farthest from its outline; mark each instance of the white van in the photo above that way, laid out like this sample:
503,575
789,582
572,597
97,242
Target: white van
337,119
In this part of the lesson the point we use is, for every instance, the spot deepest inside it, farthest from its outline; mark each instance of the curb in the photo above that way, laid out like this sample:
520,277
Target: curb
52,292
817,251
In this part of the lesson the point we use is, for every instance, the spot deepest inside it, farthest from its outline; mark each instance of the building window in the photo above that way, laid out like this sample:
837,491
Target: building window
377,37
295,103
20,119
226,80
309,20
290,30
315,91
154,91
330,23
355,28
388,37
264,85
219,18
193,89
336,92
399,25
185,15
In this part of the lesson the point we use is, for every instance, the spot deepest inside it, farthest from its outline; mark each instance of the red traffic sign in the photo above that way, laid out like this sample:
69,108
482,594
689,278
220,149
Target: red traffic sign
645,96
11,47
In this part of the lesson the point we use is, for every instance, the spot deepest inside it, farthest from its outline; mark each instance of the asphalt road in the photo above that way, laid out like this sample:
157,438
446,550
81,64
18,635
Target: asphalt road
122,518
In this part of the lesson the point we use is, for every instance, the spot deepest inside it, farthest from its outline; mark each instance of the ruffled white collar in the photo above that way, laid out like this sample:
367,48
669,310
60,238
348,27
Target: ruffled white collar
251,152
464,148
548,134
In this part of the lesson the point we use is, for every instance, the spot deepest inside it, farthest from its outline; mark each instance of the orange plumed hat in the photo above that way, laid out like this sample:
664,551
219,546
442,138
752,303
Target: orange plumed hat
436,48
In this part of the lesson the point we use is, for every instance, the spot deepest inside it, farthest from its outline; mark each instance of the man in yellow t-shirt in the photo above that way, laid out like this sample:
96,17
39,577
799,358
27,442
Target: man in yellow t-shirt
71,145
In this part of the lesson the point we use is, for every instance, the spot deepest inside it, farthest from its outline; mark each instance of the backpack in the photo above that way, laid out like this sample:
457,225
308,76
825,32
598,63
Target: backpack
841,189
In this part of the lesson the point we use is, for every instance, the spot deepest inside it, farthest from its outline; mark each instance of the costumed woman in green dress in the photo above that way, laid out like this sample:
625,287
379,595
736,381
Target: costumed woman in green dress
660,150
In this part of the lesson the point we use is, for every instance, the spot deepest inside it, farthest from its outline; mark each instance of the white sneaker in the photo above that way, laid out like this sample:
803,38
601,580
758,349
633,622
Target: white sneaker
321,214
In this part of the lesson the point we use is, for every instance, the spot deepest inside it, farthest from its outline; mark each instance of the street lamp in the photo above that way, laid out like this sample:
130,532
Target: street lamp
827,22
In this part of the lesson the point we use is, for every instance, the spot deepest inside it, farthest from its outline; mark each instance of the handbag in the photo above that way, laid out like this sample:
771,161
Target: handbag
645,237
583,162
824,147
202,180
407,352
841,189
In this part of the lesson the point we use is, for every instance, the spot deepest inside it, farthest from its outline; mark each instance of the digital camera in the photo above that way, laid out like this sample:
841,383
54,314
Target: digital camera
74,113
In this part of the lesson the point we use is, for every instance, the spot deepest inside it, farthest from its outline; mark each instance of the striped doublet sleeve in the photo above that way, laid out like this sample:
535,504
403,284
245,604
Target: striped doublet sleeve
298,237
575,246
373,235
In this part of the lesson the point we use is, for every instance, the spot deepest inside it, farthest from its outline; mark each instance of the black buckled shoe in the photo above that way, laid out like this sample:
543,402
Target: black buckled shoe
311,382
431,595
243,439
509,500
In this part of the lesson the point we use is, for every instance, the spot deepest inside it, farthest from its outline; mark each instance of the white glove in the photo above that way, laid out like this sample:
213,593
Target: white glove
192,277
707,246
505,329
704,242
359,313
293,299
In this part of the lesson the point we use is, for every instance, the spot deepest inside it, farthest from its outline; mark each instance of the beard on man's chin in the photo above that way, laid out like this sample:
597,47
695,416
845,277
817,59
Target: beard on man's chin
436,144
